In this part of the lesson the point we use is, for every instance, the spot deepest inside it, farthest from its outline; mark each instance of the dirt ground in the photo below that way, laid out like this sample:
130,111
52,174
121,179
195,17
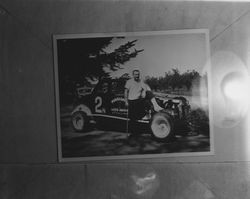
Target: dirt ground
113,143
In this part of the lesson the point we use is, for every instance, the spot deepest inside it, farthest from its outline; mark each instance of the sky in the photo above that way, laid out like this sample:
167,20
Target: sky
184,51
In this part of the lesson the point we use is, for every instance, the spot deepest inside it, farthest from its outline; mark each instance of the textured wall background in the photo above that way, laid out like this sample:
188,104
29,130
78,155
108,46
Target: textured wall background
28,151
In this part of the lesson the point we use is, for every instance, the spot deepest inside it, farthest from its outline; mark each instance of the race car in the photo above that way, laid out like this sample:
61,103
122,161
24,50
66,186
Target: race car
105,107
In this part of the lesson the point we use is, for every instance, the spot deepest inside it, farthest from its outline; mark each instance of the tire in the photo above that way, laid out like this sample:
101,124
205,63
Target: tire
161,127
198,122
79,121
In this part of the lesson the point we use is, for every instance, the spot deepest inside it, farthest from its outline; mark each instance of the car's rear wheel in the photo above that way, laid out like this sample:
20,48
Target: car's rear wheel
162,127
79,121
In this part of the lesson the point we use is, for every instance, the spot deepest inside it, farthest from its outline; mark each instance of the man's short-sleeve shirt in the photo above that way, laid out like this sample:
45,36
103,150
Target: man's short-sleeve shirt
136,89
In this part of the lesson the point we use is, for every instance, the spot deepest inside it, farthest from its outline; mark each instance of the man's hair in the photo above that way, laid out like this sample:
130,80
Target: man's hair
135,71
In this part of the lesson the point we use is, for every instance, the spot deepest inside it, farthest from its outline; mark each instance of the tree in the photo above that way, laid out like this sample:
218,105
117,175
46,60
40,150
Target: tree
153,82
174,78
88,58
189,77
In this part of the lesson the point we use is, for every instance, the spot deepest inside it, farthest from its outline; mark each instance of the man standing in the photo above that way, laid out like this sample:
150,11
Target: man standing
136,91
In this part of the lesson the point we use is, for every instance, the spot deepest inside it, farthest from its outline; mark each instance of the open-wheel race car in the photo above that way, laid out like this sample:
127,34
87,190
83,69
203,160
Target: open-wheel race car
105,107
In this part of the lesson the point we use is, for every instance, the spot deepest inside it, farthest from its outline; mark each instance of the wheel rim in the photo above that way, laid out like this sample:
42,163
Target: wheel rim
161,128
78,121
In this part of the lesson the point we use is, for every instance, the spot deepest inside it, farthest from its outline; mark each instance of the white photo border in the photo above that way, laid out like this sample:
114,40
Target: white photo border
56,37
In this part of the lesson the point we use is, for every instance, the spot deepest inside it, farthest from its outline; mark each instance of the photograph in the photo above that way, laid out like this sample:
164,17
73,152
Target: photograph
133,95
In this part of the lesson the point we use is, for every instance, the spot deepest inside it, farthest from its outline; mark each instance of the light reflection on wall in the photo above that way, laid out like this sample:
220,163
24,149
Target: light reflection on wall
234,88
144,184
228,108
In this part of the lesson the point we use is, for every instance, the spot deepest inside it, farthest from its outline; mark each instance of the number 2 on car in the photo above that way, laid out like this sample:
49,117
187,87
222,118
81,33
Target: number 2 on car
98,105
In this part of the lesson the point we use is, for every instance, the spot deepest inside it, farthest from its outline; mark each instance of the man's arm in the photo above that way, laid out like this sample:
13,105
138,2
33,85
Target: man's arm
126,96
147,87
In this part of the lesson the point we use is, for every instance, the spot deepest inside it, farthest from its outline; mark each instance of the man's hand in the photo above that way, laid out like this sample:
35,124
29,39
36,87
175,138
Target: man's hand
126,103
126,97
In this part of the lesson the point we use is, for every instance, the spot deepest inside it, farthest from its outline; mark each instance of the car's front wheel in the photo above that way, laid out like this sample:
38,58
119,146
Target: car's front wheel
162,127
79,121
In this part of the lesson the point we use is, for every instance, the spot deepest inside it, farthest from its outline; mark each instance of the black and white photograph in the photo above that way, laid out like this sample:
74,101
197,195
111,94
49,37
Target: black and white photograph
133,95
